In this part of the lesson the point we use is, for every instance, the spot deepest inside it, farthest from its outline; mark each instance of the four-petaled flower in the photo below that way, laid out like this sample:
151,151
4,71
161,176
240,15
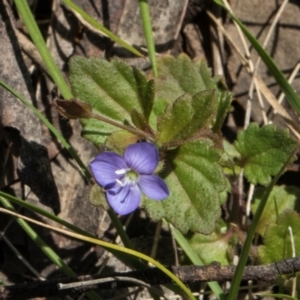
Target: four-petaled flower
126,178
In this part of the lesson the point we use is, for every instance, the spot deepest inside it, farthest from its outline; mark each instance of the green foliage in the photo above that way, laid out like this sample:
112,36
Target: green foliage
178,108
113,89
97,196
277,239
280,199
195,181
213,247
263,151
181,111
186,115
145,92
119,140
178,76
140,121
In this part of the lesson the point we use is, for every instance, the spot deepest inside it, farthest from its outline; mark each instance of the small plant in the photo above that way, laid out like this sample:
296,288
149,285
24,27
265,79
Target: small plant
181,111
163,151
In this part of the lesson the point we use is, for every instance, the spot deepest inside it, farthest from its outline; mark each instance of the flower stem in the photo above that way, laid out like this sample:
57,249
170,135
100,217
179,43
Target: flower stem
128,128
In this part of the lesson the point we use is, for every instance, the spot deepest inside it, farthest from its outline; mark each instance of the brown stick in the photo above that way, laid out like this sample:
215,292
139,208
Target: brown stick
150,276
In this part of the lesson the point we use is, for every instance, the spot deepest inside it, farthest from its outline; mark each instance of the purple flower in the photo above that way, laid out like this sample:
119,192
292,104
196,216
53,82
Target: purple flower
126,178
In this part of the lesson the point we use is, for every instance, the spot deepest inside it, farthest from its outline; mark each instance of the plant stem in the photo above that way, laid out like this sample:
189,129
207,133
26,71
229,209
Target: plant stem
127,128
146,21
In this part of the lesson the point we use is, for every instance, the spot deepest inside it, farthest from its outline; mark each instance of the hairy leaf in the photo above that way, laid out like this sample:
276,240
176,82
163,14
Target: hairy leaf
195,181
213,247
178,76
145,92
113,89
277,239
183,118
97,197
280,199
119,140
263,151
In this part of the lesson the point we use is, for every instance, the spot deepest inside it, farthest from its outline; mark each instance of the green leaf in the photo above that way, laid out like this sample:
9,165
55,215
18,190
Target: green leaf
195,181
119,140
195,259
178,76
277,240
140,121
97,197
146,91
280,199
175,118
213,247
113,89
224,106
184,117
263,151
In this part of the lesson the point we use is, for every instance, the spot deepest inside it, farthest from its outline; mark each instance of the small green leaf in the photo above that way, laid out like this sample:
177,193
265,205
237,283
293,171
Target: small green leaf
140,121
178,76
184,117
280,199
195,181
146,92
119,140
263,151
277,239
224,106
213,247
175,118
97,197
113,89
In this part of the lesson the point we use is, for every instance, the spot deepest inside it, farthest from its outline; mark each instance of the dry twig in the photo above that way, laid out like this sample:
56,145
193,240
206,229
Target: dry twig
150,276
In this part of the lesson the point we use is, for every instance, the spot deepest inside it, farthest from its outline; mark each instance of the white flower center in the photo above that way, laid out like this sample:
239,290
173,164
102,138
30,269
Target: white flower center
122,171
130,177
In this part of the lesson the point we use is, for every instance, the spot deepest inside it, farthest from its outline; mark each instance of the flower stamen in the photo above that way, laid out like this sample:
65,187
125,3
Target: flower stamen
122,171
119,182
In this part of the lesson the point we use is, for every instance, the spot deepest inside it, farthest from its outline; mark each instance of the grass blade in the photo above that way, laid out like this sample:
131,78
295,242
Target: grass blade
37,38
232,295
46,249
100,27
146,20
195,259
113,247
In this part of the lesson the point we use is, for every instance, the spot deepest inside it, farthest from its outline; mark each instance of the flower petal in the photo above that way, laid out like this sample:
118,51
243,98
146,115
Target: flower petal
126,200
153,187
104,168
142,157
